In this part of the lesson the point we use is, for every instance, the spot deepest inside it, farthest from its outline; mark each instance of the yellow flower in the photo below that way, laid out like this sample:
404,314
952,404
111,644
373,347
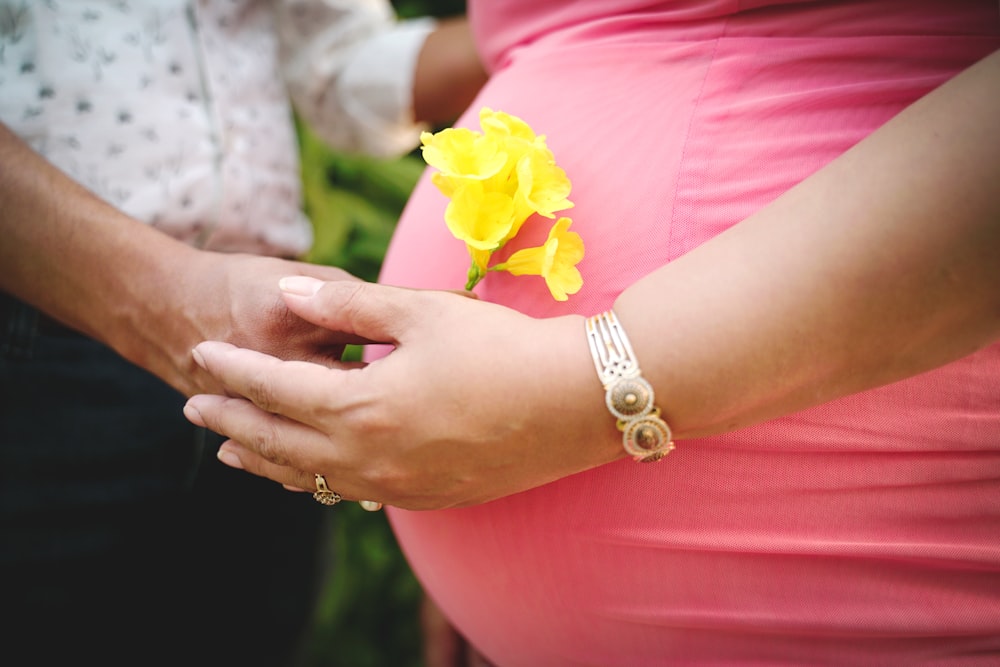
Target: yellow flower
482,219
461,155
462,152
543,187
555,261
496,180
498,123
516,137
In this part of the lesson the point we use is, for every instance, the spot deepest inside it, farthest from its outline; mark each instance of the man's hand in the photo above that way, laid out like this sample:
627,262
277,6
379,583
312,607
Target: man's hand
148,296
229,297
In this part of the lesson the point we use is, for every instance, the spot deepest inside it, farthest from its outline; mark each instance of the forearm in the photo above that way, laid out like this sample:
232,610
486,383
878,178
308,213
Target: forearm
71,254
882,265
148,296
449,73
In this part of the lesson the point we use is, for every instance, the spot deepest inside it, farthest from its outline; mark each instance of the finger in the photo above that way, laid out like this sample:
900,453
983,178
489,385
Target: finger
284,321
235,455
300,390
281,441
326,273
367,310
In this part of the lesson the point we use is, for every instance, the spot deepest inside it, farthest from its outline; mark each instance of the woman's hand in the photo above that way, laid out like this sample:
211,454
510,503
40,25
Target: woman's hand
475,401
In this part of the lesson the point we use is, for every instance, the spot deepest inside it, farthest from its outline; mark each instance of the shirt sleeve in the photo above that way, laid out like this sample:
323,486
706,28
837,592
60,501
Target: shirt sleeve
349,67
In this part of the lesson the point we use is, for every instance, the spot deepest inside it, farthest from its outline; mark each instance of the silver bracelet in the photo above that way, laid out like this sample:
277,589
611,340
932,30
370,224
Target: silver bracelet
629,397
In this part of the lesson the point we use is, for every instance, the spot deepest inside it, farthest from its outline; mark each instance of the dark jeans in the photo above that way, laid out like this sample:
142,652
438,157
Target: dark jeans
122,540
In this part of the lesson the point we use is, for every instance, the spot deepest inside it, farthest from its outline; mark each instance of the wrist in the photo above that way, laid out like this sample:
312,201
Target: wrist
144,294
577,393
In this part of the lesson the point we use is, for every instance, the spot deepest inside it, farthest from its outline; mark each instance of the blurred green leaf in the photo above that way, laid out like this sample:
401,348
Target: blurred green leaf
409,8
354,202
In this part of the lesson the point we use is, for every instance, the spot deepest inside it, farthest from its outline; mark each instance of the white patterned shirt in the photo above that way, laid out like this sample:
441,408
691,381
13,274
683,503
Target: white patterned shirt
177,111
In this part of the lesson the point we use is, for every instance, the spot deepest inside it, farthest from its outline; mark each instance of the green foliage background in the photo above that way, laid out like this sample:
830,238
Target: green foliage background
368,611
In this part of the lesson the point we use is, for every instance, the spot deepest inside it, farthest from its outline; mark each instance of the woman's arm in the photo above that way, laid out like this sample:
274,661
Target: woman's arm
882,265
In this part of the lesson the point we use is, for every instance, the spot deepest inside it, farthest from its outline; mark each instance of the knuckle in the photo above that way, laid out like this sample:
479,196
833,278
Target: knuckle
370,425
219,415
283,317
279,324
352,298
265,441
260,391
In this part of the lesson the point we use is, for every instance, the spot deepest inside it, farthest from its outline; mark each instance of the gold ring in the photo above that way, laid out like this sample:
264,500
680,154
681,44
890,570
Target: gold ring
324,494
370,505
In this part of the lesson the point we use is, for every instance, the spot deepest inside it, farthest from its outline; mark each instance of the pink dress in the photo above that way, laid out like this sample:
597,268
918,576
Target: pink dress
862,532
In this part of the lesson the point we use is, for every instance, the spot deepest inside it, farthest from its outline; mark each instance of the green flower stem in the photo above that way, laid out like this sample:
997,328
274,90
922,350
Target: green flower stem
475,275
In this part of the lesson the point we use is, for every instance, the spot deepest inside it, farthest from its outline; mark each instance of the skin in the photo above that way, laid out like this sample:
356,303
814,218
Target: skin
882,265
449,73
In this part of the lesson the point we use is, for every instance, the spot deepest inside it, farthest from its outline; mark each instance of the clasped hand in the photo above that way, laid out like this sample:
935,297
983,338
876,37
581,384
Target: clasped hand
473,401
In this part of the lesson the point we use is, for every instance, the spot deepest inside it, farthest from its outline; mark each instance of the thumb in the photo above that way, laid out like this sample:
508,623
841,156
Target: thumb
369,311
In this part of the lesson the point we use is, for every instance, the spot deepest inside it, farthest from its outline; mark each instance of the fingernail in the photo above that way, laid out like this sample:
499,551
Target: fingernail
193,415
300,285
198,359
229,459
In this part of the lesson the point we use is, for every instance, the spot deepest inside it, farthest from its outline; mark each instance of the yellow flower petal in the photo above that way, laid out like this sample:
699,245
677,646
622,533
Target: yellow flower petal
517,140
480,258
505,124
463,153
542,186
526,262
479,218
555,261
